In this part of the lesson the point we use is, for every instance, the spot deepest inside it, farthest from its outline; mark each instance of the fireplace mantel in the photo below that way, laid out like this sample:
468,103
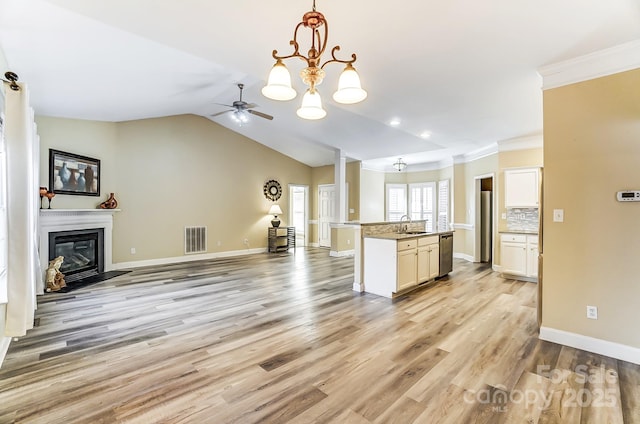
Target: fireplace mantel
54,220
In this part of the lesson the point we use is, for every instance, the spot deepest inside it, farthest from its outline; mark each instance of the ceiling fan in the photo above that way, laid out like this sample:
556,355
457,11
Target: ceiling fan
241,108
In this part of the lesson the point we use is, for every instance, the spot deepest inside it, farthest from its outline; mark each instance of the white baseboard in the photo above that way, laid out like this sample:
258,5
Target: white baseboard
187,258
314,244
358,287
342,253
4,347
591,344
467,258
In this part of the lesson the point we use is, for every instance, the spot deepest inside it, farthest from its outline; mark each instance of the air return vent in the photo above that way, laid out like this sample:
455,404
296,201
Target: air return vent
195,240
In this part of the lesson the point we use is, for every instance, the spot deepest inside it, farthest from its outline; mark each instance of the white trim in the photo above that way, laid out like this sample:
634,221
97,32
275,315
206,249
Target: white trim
190,258
314,244
342,253
461,226
312,222
591,344
4,347
480,153
467,258
623,57
358,287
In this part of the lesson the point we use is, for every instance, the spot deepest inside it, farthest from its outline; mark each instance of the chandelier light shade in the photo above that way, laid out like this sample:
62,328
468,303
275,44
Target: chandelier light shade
399,165
311,106
349,89
279,83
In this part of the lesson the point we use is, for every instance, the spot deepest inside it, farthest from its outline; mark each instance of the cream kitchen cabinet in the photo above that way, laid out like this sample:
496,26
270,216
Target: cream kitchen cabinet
428,258
522,188
393,266
519,255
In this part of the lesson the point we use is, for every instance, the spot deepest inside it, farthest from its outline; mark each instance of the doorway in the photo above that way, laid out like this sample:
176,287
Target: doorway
298,212
484,218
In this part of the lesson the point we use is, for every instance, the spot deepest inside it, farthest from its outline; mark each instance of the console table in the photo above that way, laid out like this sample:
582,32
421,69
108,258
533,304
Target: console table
281,239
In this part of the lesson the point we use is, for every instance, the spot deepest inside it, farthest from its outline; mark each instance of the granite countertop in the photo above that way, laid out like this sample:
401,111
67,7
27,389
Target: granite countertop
530,232
403,236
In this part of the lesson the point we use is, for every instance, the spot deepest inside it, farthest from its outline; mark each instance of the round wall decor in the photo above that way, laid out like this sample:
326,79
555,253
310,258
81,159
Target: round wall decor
272,190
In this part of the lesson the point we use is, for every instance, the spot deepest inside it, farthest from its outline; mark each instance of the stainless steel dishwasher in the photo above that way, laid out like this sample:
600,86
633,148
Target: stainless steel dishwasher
446,254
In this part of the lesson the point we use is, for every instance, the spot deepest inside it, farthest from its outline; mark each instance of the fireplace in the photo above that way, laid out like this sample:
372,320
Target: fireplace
79,221
83,252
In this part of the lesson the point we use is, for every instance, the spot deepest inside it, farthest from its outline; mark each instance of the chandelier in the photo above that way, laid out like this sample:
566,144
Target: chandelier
399,165
279,83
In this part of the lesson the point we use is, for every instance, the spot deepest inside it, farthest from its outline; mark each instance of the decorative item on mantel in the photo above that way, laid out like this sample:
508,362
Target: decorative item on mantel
110,203
275,211
50,195
43,194
54,278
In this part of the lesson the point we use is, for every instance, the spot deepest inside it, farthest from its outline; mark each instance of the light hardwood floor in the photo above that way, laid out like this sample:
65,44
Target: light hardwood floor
283,339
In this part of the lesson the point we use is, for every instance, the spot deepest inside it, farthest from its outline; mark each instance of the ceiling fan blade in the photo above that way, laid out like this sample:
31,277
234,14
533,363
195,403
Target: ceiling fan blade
222,113
222,104
260,114
250,106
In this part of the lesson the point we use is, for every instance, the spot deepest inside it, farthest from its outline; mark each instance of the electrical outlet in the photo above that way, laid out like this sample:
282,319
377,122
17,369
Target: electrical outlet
348,242
504,216
219,243
592,312
133,250
558,215
245,242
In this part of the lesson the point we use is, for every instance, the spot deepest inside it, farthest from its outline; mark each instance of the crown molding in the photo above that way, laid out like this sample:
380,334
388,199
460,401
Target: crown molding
613,60
480,153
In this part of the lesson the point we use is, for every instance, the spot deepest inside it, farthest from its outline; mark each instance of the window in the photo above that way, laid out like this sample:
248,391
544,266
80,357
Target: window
396,201
443,205
422,203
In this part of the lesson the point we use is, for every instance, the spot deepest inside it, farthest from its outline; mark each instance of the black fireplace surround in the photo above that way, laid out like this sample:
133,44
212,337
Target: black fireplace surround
83,252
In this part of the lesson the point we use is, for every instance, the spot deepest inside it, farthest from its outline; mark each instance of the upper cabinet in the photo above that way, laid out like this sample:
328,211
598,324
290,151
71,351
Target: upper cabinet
522,188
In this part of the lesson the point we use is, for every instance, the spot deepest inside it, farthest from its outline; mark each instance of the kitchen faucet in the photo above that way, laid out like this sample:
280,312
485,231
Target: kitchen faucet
403,228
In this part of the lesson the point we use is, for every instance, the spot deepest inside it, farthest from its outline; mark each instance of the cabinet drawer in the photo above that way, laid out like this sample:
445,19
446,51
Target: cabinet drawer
424,241
532,239
407,244
513,238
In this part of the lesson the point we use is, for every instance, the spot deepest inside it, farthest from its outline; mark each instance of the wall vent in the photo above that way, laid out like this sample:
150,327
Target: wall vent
195,240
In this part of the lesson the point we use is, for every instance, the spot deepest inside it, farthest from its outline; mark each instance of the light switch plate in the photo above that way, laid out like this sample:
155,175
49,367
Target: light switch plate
558,215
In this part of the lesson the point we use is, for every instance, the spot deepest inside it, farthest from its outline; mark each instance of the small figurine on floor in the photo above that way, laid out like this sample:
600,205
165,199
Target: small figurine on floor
54,278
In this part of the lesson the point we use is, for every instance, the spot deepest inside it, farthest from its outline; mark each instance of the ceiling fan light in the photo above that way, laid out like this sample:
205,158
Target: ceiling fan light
279,84
311,106
349,89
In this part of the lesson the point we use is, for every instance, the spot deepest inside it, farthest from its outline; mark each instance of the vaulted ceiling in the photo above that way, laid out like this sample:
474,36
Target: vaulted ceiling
462,71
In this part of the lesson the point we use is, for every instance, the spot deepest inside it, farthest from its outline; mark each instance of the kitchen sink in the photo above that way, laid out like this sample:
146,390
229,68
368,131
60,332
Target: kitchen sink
415,232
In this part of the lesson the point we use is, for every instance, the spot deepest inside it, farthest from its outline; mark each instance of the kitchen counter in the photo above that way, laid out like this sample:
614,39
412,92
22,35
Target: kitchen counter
529,232
403,236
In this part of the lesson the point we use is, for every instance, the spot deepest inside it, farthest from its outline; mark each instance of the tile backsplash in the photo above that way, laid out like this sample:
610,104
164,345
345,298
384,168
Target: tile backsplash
522,219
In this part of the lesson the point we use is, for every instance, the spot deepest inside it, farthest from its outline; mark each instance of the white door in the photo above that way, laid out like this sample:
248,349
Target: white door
298,198
326,211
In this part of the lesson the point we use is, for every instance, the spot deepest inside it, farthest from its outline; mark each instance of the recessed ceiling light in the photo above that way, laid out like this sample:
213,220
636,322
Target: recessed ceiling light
425,134
394,122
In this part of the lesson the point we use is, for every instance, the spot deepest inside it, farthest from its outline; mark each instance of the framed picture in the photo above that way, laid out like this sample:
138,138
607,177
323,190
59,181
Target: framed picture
73,174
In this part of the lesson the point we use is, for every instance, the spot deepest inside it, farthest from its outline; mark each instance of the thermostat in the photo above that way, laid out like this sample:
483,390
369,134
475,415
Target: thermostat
629,196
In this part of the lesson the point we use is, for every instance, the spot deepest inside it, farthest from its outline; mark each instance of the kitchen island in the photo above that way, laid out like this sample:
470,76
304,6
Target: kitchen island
393,258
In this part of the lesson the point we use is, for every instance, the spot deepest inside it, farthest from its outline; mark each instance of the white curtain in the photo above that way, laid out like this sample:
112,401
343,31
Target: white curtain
22,178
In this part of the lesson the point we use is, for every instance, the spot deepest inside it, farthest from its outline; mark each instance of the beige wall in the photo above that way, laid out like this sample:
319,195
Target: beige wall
591,151
168,173
342,239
